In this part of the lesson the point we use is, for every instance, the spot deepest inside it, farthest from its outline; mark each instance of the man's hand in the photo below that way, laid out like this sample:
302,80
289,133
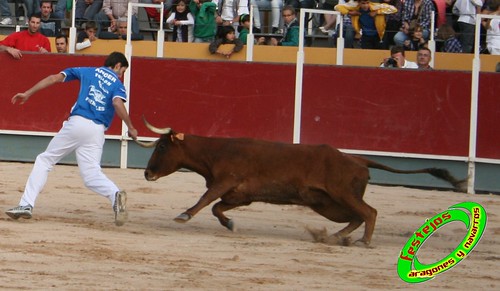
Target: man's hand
132,132
23,97
15,53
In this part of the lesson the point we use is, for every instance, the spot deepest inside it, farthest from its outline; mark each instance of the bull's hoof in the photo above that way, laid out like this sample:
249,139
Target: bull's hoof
363,243
182,218
230,225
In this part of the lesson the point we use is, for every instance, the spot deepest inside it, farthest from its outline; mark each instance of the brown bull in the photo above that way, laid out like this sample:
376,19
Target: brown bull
241,171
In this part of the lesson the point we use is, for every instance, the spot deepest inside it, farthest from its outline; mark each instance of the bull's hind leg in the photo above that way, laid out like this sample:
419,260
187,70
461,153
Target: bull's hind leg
218,211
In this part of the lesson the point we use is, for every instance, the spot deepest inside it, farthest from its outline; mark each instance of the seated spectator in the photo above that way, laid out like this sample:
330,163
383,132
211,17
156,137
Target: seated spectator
290,28
111,11
119,31
86,10
59,9
424,57
370,18
61,42
417,40
50,25
26,40
182,21
244,28
226,36
451,43
415,12
204,20
398,59
87,36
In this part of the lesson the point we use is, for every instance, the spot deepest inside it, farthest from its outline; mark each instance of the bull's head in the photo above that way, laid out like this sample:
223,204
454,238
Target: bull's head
166,155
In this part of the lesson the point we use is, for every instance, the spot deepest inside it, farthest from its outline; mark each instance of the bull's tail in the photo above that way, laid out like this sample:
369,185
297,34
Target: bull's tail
439,173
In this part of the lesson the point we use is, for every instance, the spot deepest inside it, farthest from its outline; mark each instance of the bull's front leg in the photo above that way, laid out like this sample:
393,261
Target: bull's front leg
210,195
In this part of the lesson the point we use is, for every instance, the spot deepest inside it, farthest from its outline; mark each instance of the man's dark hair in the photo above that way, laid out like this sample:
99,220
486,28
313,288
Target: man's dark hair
114,58
62,36
397,49
36,15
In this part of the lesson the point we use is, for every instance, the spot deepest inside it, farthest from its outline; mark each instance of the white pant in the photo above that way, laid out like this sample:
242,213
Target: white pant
84,137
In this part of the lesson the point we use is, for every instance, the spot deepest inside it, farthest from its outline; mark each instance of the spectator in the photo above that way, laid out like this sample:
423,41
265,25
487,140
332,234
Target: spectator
275,6
393,21
451,43
86,10
32,6
87,36
154,13
204,20
182,20
417,40
424,58
226,35
466,11
244,28
50,26
370,18
61,42
5,13
111,11
493,29
290,28
119,31
330,19
349,33
26,40
414,12
229,12
60,10
398,59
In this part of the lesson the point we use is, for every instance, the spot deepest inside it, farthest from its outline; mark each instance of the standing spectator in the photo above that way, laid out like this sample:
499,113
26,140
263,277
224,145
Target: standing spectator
155,13
26,40
5,13
398,59
32,6
226,35
111,11
415,12
60,9
330,20
244,28
101,95
493,29
370,18
61,43
50,26
230,11
182,20
86,10
290,28
349,33
451,43
393,21
424,58
466,11
275,6
120,31
204,20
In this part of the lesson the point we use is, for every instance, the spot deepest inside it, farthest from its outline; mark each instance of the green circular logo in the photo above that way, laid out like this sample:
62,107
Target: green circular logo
471,214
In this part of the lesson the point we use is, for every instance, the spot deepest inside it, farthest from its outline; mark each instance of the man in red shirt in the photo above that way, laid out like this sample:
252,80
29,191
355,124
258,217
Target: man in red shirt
27,40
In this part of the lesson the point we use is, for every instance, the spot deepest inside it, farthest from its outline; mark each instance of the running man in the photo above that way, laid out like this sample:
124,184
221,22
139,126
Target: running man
101,95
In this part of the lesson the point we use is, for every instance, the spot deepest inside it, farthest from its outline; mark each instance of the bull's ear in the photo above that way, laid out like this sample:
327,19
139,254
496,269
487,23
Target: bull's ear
177,136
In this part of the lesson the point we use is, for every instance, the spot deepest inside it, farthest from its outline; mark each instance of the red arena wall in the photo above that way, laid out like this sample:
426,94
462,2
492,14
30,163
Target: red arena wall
422,112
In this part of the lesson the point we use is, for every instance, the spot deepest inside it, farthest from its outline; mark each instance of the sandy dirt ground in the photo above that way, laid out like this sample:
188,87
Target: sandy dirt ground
72,243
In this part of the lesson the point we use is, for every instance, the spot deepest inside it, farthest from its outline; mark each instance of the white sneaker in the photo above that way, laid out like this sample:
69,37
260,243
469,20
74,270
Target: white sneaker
6,21
120,208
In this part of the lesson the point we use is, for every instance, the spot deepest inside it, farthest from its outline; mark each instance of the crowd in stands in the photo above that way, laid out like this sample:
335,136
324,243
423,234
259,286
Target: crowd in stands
367,24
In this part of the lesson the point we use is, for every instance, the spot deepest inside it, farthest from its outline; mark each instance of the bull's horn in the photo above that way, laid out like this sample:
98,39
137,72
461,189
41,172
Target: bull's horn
150,144
154,129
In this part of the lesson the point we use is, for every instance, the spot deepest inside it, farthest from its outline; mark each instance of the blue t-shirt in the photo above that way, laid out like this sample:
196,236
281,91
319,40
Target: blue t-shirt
98,88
